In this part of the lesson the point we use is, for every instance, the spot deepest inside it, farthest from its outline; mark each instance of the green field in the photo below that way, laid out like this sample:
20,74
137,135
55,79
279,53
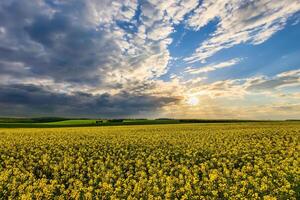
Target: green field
125,122
175,161
76,123
73,122
54,122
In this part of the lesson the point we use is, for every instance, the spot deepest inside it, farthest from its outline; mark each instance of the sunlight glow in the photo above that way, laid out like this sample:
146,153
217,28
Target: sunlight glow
193,101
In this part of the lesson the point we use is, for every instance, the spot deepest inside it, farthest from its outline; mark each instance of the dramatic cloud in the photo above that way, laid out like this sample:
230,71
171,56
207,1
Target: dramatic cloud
117,58
239,22
91,46
79,41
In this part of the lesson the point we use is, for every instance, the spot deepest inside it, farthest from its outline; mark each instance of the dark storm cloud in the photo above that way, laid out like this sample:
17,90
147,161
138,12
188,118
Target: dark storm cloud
76,41
34,100
55,41
83,50
53,44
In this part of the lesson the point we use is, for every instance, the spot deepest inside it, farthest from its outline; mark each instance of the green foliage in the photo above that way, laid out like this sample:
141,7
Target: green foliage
187,161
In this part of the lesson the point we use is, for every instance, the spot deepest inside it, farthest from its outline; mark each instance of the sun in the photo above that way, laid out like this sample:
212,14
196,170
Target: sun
193,101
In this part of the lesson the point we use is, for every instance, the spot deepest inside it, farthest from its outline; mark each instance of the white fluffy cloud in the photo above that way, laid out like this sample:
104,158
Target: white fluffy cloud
239,22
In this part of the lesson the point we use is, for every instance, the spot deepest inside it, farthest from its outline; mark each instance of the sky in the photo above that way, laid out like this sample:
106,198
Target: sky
150,58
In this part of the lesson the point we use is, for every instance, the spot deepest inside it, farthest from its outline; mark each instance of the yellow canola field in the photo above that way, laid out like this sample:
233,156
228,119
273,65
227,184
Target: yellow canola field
187,161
